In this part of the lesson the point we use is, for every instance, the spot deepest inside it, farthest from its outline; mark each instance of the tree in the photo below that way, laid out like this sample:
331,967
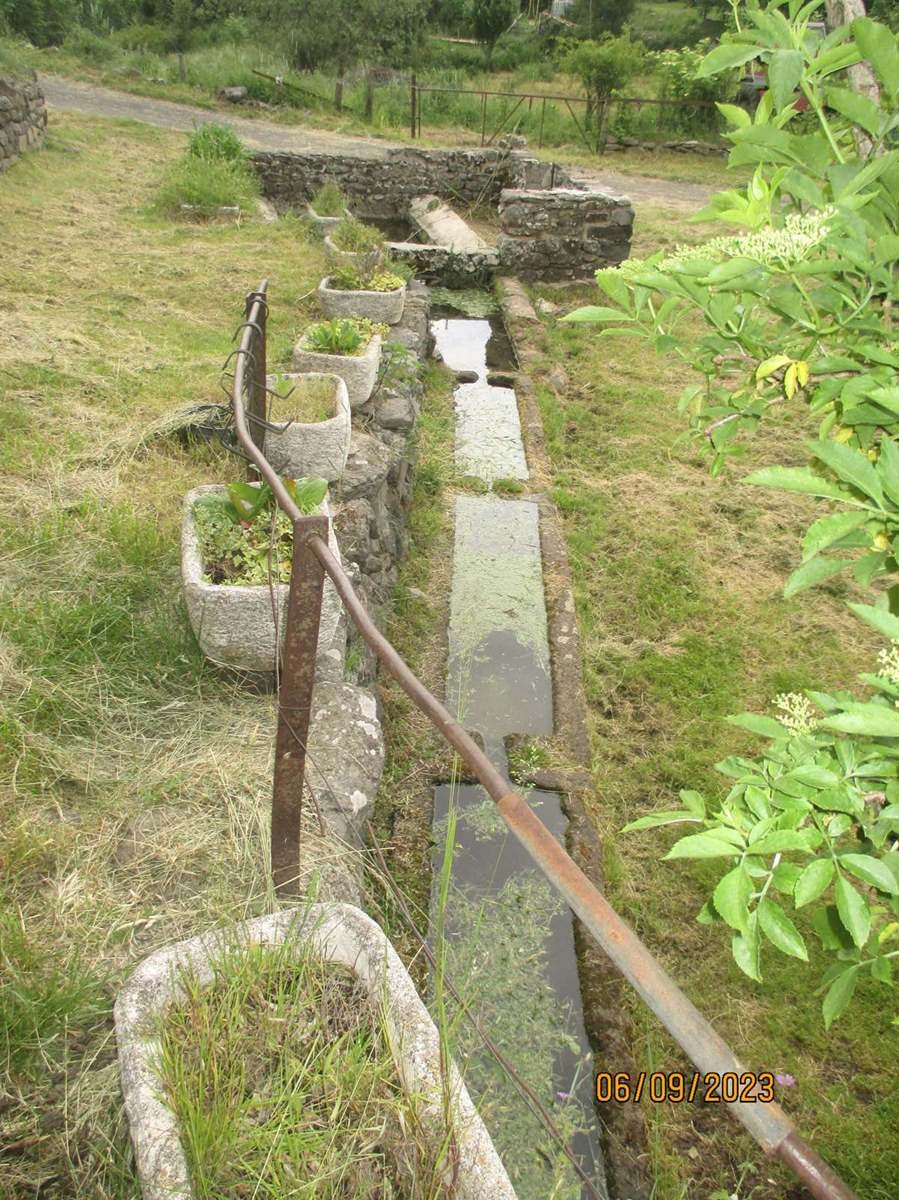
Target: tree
601,16
603,67
336,35
796,314
490,20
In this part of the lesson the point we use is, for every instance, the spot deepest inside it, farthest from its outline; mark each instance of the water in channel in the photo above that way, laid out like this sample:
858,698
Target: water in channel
509,937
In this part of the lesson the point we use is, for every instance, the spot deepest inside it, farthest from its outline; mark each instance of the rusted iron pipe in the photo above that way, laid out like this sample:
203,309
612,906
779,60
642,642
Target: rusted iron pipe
765,1121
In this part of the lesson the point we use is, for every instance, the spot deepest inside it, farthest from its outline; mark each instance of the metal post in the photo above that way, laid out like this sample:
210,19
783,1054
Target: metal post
256,377
542,120
412,107
295,702
483,117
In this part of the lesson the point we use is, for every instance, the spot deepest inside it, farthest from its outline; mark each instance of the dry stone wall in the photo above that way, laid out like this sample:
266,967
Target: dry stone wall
23,118
384,186
566,233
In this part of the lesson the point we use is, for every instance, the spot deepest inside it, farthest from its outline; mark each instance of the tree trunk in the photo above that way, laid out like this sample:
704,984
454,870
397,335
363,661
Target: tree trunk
338,92
369,109
861,77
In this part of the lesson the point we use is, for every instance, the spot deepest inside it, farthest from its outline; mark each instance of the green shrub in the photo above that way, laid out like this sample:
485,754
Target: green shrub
216,143
156,39
357,238
206,185
89,46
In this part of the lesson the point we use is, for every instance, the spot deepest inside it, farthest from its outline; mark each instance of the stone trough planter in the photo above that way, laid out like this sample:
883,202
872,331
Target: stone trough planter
325,224
358,371
318,448
377,306
342,935
234,624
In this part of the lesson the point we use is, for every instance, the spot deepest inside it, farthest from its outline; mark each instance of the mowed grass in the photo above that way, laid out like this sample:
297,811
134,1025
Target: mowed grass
678,583
134,778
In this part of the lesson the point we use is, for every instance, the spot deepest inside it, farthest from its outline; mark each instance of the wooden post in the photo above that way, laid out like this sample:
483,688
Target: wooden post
412,100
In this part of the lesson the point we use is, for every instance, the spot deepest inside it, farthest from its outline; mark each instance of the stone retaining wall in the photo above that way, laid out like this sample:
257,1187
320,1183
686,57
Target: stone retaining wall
23,118
385,185
374,493
565,233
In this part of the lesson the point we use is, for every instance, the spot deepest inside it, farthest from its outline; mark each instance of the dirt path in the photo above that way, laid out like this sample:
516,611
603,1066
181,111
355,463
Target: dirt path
266,135
263,135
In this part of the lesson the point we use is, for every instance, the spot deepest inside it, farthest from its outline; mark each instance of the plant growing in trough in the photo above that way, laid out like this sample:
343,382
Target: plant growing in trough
328,201
245,538
342,336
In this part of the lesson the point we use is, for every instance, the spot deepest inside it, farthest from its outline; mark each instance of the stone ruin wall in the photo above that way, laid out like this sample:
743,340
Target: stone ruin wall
551,228
23,118
384,186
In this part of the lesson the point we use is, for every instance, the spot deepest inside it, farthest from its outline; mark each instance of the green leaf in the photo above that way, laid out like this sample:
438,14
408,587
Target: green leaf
745,949
656,819
870,870
853,910
827,530
813,882
782,839
596,312
855,107
614,286
731,898
838,995
882,620
724,58
702,845
829,928
693,801
780,930
796,479
851,466
754,723
784,72
815,571
882,970
308,492
888,467
736,116
872,720
878,45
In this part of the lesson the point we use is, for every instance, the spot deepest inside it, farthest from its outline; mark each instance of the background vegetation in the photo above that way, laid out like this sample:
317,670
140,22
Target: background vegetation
358,59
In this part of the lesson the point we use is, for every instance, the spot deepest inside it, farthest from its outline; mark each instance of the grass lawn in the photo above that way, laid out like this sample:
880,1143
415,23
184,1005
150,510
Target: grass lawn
678,585
134,778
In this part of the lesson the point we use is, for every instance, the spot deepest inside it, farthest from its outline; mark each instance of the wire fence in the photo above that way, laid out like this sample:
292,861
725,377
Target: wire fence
312,560
552,118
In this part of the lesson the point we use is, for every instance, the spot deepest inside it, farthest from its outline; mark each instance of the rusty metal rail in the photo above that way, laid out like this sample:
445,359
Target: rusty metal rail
765,1121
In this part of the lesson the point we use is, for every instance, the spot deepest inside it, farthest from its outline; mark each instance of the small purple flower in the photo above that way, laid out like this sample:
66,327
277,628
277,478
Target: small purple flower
785,1080
563,1096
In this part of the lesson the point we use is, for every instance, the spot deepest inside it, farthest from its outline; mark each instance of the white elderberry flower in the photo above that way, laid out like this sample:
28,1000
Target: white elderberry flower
888,662
796,712
779,248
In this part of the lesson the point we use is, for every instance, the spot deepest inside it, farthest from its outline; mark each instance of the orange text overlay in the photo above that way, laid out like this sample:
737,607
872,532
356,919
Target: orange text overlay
677,1087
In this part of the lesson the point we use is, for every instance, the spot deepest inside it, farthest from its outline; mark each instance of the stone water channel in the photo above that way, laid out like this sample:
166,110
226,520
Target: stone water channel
509,937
